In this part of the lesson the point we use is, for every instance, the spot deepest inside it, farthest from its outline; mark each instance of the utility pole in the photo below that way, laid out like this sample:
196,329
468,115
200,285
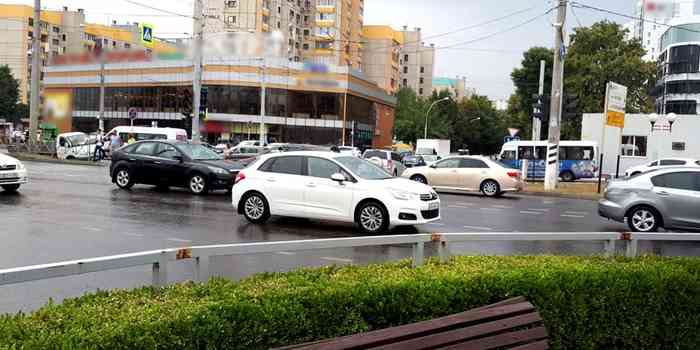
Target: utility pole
537,122
262,102
101,116
37,55
552,170
197,63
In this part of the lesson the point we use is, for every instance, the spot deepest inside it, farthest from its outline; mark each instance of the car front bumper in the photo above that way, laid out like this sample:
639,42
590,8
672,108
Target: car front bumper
14,177
415,213
611,210
222,181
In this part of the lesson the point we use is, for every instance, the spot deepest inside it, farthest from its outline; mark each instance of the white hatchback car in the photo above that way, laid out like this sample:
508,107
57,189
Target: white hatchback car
12,173
331,186
661,163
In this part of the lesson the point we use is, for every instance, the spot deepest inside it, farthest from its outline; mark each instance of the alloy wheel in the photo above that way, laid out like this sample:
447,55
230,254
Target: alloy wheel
643,220
490,188
197,184
123,178
254,207
371,218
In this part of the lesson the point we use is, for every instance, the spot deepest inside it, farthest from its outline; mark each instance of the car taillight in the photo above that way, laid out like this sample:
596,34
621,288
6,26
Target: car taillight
240,177
514,174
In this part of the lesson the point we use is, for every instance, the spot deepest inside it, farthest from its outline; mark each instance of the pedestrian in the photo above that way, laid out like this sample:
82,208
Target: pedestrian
115,142
131,139
99,142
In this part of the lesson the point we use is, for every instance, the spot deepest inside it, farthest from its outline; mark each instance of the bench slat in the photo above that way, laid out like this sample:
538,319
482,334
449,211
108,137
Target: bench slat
501,340
400,333
540,345
462,334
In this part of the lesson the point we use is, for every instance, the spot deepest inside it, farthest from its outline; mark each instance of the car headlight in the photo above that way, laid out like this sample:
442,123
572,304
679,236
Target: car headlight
403,195
20,166
219,171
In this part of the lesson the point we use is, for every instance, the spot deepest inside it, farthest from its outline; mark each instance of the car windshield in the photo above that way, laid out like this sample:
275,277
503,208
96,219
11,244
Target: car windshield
79,139
199,152
363,168
429,158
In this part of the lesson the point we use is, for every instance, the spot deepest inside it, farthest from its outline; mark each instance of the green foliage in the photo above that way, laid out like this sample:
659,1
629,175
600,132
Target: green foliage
9,94
587,303
411,113
596,55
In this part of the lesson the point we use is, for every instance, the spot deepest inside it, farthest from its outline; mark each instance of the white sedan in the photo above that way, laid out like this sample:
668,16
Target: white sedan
662,163
331,186
12,173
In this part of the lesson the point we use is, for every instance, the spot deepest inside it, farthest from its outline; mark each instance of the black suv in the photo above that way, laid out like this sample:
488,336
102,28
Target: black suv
172,163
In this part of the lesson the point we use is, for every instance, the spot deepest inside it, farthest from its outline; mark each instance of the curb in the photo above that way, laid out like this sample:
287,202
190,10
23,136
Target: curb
591,197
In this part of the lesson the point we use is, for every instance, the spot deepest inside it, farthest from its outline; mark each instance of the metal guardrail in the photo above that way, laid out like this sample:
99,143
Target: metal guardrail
201,255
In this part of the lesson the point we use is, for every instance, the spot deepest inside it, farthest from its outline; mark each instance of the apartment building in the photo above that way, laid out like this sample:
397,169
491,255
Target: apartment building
61,32
318,31
652,21
417,62
380,56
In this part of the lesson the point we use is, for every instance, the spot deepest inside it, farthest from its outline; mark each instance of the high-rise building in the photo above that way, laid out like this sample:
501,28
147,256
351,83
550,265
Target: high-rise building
417,62
652,21
457,87
62,32
319,31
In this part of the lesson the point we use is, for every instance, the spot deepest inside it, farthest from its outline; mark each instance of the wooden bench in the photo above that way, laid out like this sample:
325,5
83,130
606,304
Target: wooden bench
511,324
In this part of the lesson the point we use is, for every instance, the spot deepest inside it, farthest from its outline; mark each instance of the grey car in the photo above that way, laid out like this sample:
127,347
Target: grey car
666,198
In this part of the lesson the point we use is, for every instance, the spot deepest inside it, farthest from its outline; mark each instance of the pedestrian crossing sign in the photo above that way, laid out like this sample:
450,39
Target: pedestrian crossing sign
147,34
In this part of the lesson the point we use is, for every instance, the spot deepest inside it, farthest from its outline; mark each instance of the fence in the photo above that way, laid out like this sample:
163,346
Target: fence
201,255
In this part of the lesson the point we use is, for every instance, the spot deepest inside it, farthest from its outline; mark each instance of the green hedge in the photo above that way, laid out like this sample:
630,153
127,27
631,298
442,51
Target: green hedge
587,303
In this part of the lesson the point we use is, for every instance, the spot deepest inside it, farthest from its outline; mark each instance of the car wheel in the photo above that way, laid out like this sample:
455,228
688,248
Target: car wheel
123,179
490,188
255,208
10,188
643,219
372,218
567,176
419,178
198,184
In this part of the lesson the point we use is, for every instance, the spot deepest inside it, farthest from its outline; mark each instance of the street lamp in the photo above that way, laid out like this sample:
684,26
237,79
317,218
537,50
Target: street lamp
475,119
427,114
670,118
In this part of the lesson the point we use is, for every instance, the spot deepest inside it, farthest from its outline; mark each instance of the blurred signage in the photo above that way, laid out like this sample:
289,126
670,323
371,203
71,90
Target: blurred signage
57,105
147,34
615,103
133,113
109,57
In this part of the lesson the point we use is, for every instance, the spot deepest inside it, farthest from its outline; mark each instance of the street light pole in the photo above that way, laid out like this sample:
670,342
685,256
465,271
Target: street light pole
37,54
427,114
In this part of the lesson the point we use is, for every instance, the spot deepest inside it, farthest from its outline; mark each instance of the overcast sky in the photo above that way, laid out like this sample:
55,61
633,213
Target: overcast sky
486,63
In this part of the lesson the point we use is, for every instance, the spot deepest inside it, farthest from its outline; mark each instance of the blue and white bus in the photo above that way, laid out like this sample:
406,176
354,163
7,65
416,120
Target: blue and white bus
577,159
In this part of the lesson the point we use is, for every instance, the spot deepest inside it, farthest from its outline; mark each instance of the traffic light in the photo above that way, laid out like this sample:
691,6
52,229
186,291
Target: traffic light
570,106
541,107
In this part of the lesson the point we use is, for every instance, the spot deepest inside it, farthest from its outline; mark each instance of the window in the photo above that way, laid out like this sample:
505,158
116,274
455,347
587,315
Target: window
55,42
146,148
231,19
231,3
56,29
473,163
318,167
672,162
682,107
405,58
508,155
451,163
375,154
405,69
576,153
634,146
163,150
279,25
283,165
689,181
420,91
306,32
395,157
306,46
422,69
405,83
421,80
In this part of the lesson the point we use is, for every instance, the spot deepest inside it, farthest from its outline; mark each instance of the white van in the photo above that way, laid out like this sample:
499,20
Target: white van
145,133
74,145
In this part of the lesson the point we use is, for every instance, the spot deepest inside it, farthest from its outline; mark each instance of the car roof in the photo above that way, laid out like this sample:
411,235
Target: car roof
675,158
671,169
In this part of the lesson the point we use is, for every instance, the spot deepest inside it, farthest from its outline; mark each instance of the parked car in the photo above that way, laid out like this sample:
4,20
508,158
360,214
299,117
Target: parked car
348,150
663,198
331,186
661,163
243,152
411,161
430,159
388,160
213,148
13,174
172,163
468,173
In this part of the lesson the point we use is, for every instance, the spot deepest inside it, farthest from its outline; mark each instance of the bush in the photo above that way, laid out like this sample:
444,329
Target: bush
587,303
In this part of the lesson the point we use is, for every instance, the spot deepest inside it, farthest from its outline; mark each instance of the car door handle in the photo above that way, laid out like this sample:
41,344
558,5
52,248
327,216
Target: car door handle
271,180
132,159
663,193
311,184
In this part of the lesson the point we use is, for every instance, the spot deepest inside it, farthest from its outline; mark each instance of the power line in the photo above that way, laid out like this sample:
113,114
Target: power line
573,12
158,9
584,6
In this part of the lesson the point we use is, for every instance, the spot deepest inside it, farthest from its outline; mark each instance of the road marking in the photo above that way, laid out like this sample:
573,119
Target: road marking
458,206
502,206
436,224
478,228
286,253
96,229
464,203
175,239
543,210
491,209
330,258
576,212
132,234
572,216
531,212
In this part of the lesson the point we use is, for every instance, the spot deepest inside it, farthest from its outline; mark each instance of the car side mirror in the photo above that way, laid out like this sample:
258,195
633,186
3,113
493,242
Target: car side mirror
338,177
433,166
439,158
179,158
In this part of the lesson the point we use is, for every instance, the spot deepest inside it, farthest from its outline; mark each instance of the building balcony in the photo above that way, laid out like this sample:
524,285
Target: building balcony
265,27
324,37
265,11
325,23
323,52
325,8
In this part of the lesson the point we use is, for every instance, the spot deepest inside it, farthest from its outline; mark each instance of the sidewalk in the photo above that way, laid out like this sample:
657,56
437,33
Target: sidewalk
576,190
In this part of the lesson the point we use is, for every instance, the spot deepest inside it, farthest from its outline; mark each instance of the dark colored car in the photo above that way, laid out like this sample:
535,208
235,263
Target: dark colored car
411,161
172,163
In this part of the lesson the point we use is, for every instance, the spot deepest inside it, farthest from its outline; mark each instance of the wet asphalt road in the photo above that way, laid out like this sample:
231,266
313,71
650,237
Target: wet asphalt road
70,212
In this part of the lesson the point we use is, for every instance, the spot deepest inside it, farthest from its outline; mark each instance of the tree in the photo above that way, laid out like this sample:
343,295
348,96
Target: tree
9,94
411,112
527,78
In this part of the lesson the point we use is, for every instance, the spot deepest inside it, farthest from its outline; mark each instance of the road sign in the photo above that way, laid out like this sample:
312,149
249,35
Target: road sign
615,103
133,113
511,138
147,34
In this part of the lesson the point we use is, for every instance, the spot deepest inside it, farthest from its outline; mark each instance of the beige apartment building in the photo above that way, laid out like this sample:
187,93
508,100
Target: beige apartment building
61,32
319,31
396,59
